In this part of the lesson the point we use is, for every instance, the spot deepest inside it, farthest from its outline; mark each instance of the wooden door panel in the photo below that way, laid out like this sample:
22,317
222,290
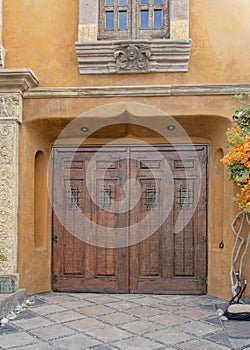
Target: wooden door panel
173,258
168,254
185,240
77,265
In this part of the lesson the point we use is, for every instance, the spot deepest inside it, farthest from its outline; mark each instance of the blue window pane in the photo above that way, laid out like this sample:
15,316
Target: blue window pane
109,2
144,19
122,20
109,20
157,2
157,19
144,2
122,2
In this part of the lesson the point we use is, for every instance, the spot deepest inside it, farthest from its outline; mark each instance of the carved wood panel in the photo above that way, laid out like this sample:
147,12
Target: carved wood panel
167,251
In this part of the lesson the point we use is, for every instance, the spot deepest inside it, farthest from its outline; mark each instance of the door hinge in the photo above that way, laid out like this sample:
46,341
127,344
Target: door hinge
53,278
54,238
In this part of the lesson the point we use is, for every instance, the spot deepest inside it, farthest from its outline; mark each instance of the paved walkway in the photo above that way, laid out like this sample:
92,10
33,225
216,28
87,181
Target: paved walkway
80,321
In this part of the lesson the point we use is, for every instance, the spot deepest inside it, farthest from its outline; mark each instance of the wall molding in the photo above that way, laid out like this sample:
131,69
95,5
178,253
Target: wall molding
17,80
100,57
138,91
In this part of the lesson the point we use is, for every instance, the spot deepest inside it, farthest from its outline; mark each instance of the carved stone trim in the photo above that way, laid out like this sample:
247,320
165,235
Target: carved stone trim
13,82
140,91
8,196
11,107
167,55
132,57
100,57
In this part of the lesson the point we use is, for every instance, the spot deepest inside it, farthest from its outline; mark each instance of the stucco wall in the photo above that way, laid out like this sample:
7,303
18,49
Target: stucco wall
40,34
45,119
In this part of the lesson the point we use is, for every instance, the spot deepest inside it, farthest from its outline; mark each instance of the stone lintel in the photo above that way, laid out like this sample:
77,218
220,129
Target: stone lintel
17,80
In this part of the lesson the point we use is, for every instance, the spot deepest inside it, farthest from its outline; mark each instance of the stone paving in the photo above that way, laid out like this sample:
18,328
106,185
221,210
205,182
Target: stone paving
84,321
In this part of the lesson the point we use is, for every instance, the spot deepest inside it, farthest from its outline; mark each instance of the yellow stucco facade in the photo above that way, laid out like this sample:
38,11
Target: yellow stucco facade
41,68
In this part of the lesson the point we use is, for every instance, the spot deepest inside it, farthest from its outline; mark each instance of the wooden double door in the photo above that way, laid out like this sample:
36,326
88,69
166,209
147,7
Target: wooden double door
130,219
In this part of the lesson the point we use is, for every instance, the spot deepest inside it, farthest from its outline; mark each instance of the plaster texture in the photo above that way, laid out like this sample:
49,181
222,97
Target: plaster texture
199,99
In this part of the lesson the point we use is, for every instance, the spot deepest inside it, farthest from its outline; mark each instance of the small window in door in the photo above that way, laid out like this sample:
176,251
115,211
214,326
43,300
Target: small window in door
74,197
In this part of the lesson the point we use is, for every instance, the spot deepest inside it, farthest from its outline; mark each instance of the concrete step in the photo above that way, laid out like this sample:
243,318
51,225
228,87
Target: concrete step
9,301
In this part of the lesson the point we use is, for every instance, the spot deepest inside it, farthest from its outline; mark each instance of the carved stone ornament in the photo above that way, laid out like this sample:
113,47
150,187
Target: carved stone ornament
156,55
10,106
8,197
132,57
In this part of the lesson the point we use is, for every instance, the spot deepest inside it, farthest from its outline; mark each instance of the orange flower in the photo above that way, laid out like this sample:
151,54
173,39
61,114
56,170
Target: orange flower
237,159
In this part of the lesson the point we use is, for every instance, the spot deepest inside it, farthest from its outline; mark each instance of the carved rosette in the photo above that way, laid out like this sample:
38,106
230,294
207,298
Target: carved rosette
8,193
132,57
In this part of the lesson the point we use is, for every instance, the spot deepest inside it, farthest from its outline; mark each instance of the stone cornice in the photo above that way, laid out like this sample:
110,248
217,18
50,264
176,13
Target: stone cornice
17,80
139,91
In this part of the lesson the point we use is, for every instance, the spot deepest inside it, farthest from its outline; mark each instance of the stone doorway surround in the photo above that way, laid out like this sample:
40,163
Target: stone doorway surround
13,83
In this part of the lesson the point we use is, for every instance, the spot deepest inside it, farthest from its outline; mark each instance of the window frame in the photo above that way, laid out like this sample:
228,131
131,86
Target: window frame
111,55
133,31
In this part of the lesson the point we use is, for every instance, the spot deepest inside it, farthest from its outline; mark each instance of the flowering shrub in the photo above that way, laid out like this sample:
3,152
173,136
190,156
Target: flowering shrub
237,158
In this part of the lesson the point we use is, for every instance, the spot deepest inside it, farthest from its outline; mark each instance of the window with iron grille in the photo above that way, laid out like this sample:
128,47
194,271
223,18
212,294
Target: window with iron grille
133,19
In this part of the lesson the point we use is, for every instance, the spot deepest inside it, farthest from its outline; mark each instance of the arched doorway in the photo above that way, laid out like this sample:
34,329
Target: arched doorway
129,214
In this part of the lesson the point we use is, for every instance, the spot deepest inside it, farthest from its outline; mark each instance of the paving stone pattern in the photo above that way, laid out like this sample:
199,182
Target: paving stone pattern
84,321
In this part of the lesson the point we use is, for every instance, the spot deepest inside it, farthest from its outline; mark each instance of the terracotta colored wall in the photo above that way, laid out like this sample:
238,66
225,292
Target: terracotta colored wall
45,118
40,34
